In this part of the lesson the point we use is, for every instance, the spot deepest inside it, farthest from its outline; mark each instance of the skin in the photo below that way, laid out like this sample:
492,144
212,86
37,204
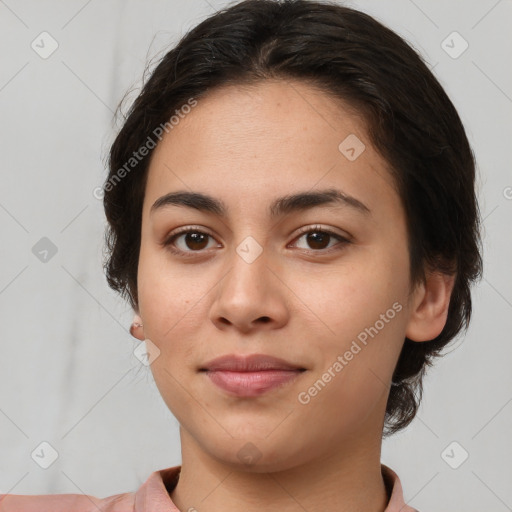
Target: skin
302,302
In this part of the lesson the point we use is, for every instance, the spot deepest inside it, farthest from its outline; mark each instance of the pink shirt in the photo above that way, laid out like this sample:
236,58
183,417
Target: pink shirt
152,496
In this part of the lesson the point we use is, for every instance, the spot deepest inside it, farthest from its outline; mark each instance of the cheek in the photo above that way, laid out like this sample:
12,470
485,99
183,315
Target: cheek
360,316
344,301
350,382
170,306
167,295
173,301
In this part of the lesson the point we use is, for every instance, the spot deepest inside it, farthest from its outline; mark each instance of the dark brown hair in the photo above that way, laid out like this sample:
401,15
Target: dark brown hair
410,120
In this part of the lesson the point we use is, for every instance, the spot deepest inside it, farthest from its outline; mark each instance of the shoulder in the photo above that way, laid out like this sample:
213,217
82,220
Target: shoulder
152,496
65,503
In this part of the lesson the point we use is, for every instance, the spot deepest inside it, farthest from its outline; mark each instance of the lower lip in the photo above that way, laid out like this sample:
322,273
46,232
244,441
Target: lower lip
251,383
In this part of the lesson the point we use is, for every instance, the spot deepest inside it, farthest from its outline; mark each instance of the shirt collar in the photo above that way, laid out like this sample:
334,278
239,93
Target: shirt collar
153,495
396,501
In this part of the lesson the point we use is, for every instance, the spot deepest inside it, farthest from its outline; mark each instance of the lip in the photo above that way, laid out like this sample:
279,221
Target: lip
253,375
250,363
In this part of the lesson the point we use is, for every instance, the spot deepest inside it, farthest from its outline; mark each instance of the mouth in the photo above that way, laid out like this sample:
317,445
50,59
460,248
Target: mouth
251,363
247,376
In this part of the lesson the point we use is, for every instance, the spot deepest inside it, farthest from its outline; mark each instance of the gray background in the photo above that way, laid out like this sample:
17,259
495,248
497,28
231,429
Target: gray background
67,372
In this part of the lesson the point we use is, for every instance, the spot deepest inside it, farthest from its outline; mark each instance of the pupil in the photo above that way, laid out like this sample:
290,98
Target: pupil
194,238
314,239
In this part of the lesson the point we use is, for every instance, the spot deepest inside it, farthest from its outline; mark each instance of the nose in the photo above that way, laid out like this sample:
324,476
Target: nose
251,296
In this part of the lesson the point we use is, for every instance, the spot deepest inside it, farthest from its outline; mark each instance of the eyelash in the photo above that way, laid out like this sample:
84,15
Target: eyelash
169,241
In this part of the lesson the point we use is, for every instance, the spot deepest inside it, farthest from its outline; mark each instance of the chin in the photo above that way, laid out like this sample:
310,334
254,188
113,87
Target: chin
259,455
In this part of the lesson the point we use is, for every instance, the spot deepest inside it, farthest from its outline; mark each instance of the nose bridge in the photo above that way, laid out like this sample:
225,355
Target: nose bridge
250,250
249,290
249,266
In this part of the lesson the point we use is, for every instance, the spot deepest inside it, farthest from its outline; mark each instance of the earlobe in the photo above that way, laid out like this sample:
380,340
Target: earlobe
136,328
431,303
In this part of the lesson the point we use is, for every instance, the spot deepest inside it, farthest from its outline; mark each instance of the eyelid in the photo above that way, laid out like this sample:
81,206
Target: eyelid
188,228
317,227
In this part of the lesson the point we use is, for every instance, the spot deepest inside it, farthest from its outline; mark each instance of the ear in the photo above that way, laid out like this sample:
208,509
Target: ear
137,330
430,307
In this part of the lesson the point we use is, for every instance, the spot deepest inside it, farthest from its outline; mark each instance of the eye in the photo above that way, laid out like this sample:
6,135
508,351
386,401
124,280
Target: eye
191,238
318,238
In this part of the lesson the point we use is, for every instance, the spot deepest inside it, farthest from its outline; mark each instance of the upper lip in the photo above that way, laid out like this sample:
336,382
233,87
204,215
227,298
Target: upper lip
250,363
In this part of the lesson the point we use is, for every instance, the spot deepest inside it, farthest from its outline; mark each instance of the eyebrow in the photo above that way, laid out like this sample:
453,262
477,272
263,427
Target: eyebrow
281,206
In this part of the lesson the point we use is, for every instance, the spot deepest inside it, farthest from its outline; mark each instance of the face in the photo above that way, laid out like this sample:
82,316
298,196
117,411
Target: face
321,283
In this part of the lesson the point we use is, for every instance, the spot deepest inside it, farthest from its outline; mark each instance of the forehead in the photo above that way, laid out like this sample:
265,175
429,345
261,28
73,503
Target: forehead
268,139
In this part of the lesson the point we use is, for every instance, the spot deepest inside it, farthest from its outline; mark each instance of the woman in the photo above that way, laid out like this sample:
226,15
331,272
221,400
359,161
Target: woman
292,217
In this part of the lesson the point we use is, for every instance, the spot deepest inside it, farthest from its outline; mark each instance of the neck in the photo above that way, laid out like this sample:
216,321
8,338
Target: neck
345,480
